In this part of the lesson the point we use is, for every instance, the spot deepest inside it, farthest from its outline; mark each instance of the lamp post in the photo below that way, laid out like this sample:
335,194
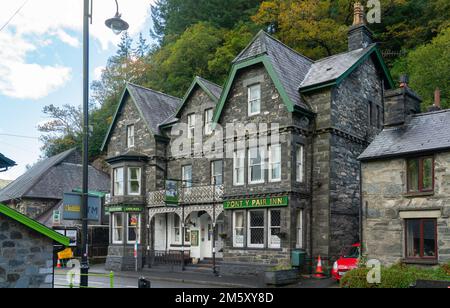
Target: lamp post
117,25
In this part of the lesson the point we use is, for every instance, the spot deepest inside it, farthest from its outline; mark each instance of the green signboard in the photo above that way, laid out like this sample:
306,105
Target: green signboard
124,208
256,203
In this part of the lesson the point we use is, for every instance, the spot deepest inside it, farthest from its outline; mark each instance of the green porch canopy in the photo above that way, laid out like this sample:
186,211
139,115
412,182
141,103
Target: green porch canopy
5,163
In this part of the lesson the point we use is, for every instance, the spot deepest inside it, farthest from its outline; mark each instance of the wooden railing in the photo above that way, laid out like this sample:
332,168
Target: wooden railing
189,195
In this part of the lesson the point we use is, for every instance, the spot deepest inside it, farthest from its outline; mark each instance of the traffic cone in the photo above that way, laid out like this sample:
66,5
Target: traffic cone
319,270
58,265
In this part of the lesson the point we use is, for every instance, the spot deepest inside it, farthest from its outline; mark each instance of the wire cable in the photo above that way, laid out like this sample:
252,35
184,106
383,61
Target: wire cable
14,15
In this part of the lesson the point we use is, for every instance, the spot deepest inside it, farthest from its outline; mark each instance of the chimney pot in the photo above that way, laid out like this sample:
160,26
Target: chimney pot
404,80
358,14
437,98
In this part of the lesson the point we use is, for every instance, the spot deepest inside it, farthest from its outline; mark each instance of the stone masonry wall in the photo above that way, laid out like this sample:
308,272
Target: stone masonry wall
384,188
26,257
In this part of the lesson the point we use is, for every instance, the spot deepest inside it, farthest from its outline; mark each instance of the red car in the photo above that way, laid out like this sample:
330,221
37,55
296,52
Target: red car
348,261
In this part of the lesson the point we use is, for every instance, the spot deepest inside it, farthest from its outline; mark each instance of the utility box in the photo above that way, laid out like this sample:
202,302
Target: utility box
298,258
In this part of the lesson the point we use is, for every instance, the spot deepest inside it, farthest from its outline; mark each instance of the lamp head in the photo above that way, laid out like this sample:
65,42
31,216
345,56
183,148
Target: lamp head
117,24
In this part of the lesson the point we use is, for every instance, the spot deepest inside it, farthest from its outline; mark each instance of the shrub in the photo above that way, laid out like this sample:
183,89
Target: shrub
396,276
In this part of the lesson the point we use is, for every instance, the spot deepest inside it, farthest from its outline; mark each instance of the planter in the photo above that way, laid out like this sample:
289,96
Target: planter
282,277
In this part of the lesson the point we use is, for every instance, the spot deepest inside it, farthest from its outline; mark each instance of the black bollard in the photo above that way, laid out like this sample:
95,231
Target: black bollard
144,283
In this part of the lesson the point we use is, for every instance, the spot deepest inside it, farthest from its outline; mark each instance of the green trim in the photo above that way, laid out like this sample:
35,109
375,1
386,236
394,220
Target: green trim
197,81
124,209
264,59
91,193
338,81
32,224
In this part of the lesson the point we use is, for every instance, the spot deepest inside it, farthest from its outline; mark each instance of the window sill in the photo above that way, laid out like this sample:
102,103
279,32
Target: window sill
421,261
418,194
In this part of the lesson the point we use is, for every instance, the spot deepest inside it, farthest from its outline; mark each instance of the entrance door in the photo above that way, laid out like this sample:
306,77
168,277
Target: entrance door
205,236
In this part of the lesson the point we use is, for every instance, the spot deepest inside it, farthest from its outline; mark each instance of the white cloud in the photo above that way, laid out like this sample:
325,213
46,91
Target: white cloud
44,22
98,72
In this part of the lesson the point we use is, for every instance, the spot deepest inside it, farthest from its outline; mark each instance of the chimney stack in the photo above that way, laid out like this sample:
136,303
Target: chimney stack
359,36
437,101
400,104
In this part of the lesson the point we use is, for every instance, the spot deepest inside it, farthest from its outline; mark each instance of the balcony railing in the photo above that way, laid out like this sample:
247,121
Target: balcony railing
189,195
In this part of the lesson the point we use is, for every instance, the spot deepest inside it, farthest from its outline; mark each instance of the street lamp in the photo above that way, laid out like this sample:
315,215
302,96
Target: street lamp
117,25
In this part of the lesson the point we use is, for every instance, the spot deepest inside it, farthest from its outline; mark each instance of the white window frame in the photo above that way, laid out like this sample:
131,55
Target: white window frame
249,230
214,173
262,166
300,163
269,231
191,125
252,100
174,240
239,169
299,229
115,227
138,229
186,183
117,183
130,136
235,244
209,113
139,180
272,163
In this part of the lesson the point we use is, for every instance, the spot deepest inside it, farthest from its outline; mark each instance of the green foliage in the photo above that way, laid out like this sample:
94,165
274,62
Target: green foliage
396,276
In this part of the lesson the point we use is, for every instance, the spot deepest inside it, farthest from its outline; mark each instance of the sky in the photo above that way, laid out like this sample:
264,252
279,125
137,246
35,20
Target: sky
41,64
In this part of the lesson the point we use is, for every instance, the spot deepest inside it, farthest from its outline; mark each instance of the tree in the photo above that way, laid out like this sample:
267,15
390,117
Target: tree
142,48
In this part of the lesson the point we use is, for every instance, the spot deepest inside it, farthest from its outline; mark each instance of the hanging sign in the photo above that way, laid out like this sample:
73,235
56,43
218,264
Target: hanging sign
172,195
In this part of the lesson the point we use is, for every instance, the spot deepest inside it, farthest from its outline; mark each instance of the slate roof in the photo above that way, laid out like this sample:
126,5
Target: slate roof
331,68
290,66
52,177
5,162
427,132
215,89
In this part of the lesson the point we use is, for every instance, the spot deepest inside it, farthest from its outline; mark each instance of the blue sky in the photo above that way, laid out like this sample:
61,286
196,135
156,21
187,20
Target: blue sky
41,64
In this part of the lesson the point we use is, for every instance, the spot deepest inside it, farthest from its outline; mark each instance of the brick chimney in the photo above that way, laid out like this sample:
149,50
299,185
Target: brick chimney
359,35
400,104
437,101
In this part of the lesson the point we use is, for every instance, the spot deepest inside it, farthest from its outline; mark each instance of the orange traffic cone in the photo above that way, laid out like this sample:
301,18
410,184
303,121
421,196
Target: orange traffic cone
319,270
58,265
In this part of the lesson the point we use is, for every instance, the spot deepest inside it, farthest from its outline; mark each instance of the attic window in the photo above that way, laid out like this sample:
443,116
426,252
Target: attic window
130,136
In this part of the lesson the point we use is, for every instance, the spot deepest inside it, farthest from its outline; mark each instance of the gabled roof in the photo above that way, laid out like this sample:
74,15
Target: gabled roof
5,162
427,132
52,177
34,225
211,89
155,108
332,70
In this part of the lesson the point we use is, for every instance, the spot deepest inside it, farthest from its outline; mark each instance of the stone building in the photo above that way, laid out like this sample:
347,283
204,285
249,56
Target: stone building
406,184
299,190
26,258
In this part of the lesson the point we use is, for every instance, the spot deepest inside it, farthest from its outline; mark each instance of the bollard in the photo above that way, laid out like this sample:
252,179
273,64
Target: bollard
111,280
144,283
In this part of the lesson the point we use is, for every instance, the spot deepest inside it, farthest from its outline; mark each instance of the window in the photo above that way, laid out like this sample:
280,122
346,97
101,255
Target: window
255,166
176,231
421,240
274,229
254,99
191,125
186,176
217,172
238,228
117,228
420,173
130,136
300,162
371,122
134,181
118,181
238,168
275,163
300,229
256,229
134,228
208,121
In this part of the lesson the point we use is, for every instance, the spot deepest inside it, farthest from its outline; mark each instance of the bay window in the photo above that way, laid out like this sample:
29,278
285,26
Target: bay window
300,163
256,228
255,165
274,229
275,163
254,100
134,181
133,228
117,228
420,173
238,168
238,228
118,181
421,239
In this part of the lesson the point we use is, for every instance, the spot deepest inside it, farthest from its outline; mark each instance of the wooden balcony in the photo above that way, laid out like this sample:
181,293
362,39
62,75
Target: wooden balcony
189,195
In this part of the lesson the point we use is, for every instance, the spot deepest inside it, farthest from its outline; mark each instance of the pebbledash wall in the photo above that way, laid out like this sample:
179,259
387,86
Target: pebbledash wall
26,256
386,204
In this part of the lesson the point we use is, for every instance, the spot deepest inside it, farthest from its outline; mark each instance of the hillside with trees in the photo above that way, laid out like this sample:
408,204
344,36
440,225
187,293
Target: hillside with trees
202,37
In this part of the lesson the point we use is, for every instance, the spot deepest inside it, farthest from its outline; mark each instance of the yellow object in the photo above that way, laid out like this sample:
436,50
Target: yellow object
65,254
